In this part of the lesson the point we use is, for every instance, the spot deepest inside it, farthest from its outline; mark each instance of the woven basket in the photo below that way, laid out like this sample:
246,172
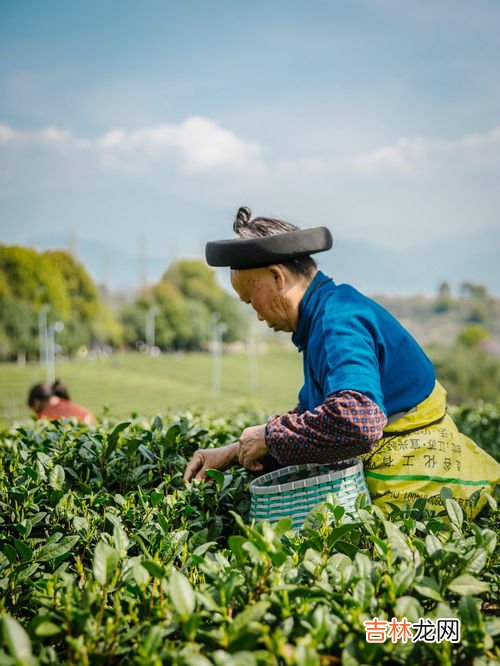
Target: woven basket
291,492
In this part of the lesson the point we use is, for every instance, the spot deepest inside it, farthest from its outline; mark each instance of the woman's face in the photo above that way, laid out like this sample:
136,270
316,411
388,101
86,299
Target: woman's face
38,405
263,289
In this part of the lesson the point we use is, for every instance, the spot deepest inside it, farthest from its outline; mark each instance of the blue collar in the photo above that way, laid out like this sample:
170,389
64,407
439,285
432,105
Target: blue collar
306,309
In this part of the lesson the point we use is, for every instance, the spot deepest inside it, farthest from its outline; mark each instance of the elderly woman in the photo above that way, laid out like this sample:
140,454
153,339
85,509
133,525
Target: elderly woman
368,387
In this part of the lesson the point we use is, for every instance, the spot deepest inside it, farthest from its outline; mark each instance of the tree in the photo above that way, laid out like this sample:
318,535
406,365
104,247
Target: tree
477,291
83,294
106,328
30,280
472,336
444,300
185,299
20,326
31,277
477,304
197,282
180,323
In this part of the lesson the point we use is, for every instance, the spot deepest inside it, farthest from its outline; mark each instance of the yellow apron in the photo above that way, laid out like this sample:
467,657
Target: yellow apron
423,451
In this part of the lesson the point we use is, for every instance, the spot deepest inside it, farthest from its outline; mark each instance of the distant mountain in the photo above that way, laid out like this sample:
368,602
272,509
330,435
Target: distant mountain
371,268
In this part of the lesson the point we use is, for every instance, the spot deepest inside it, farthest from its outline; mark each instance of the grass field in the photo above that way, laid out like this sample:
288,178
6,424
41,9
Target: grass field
126,383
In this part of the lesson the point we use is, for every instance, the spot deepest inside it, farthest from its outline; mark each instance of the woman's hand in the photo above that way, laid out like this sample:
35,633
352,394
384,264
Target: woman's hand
221,458
252,447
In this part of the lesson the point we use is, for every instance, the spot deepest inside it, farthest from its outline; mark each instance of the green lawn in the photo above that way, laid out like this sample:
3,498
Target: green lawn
133,382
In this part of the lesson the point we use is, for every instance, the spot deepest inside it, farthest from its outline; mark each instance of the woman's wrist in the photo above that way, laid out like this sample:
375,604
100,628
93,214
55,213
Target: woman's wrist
232,451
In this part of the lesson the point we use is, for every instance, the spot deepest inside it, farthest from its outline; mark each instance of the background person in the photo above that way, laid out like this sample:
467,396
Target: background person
369,389
53,403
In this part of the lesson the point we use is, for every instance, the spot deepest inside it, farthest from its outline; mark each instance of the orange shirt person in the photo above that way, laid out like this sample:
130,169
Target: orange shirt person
53,403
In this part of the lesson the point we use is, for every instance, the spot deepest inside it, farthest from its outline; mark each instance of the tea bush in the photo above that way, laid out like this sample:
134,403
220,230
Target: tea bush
106,556
481,423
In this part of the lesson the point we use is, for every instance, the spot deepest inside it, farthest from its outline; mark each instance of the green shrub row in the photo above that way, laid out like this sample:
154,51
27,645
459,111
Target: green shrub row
482,424
106,556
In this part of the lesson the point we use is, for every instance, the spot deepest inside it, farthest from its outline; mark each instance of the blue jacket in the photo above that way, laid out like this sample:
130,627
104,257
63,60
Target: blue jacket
351,342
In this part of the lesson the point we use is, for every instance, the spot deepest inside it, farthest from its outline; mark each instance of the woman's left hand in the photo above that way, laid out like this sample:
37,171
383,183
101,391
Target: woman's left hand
252,447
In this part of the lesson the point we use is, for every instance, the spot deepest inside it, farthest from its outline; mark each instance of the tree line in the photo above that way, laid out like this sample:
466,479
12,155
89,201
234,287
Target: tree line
187,303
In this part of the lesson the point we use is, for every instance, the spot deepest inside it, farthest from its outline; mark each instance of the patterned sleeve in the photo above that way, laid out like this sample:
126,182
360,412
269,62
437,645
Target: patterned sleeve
347,424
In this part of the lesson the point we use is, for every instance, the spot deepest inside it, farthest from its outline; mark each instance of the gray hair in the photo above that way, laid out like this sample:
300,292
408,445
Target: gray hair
245,227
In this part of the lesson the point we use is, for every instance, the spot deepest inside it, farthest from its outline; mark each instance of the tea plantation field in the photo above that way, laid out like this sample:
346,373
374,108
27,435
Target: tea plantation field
107,557
131,382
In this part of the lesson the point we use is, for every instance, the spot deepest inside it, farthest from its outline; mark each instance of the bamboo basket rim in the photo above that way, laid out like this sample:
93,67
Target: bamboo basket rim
350,467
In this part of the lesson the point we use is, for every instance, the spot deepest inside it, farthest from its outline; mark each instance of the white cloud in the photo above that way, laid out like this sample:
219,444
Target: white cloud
394,194
201,144
49,137
414,155
203,147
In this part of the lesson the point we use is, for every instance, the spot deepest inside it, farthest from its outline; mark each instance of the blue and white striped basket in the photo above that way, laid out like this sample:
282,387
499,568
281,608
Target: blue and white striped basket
291,492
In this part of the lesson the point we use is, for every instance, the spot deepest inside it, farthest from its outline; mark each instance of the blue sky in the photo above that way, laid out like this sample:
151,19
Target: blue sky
124,120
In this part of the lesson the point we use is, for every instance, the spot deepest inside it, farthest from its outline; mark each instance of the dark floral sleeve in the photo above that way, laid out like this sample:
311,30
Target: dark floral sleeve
347,424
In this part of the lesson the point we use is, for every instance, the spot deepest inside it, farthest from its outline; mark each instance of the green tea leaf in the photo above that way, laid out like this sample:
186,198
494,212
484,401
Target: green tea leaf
433,544
105,563
491,501
56,478
141,574
114,437
467,584
17,640
363,593
429,588
10,553
120,540
469,612
47,629
476,561
339,561
157,423
408,607
80,524
217,476
23,549
196,660
397,541
381,546
489,540
403,579
52,550
154,568
445,494
253,613
235,543
53,538
363,565
283,526
454,512
172,433
312,561
182,594
201,550
27,573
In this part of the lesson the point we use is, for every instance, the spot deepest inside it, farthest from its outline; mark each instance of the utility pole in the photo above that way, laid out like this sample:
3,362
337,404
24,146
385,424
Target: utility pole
54,328
218,330
150,327
253,367
43,334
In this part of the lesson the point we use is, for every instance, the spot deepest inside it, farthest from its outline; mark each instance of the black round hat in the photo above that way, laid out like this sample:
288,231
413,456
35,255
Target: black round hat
241,253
